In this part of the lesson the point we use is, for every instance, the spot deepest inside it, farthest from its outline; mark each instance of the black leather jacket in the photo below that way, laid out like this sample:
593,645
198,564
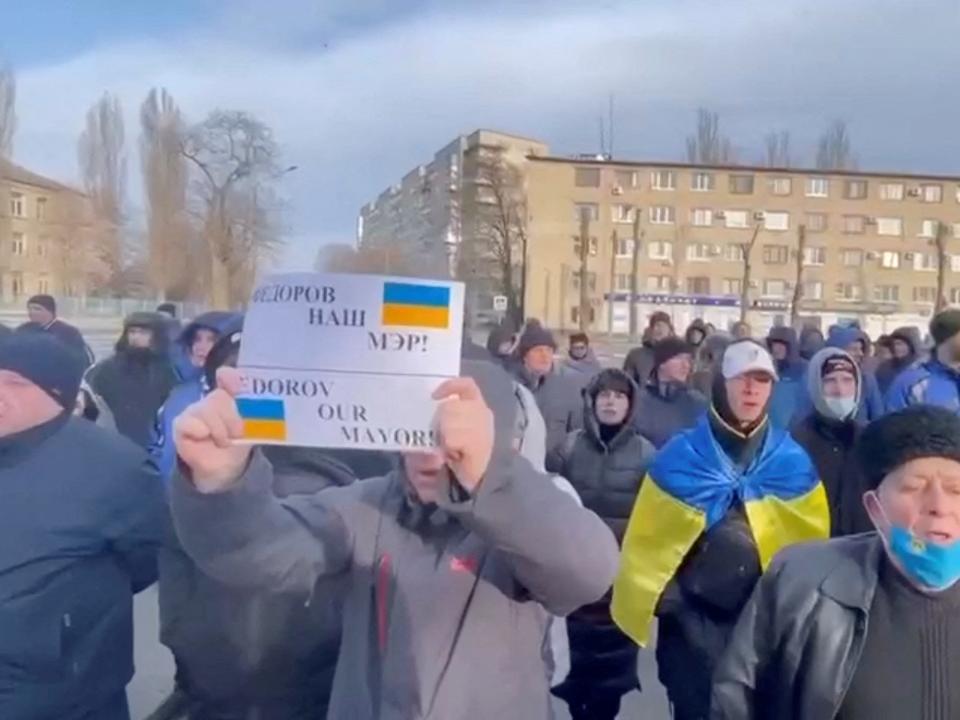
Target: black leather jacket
796,645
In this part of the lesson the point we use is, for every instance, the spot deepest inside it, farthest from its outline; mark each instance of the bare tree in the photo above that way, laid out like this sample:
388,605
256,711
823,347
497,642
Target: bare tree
745,279
708,146
776,147
103,166
500,231
834,151
798,280
235,158
8,110
943,263
165,191
635,274
583,270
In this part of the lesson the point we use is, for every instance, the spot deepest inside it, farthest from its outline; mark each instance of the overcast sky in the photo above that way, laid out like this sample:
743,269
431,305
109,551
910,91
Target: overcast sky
359,92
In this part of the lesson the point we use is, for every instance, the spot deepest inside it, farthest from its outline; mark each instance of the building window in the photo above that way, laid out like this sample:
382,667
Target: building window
851,258
886,293
624,247
733,252
928,229
575,315
18,244
701,217
780,185
41,209
815,222
622,281
660,250
627,178
890,226
732,286
741,184
813,290
776,254
591,280
592,246
926,262
592,211
43,285
891,191
18,206
698,286
774,288
955,263
956,230
776,220
658,283
849,292
736,218
586,177
663,179
955,296
16,284
855,189
623,213
705,182
931,193
924,294
854,224
815,256
698,252
818,187
890,259
662,215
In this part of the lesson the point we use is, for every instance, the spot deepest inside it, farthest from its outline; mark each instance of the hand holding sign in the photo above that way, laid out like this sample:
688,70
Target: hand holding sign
205,433
466,428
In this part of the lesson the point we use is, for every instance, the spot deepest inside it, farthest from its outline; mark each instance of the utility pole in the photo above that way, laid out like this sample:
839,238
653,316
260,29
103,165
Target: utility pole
614,240
940,240
798,284
635,275
747,269
584,255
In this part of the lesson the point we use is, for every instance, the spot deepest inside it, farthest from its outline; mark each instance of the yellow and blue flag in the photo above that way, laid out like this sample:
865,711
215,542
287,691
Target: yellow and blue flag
410,305
263,418
689,488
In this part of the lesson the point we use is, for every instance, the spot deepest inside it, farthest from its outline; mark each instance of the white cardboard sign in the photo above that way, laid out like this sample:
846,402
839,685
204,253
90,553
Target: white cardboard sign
348,361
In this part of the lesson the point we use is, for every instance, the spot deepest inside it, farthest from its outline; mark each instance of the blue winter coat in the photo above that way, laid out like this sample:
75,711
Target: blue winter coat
930,383
871,399
789,395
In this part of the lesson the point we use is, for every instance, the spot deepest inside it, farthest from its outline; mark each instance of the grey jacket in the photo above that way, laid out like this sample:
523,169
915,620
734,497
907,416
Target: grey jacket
446,607
558,397
799,639
663,412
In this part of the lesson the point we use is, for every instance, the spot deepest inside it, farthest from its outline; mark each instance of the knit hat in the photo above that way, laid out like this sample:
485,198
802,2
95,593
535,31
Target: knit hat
45,301
534,335
669,348
919,431
167,308
45,361
945,325
613,380
579,337
837,363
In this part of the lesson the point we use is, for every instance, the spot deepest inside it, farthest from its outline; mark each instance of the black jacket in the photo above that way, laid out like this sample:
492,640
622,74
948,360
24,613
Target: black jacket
80,521
639,363
65,333
662,413
242,652
135,383
797,643
832,447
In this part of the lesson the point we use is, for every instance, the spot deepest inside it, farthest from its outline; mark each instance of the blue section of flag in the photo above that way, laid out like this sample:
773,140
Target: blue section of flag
260,409
424,295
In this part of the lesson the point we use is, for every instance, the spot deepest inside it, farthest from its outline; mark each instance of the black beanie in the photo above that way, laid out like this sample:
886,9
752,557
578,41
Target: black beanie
168,308
46,362
669,348
945,325
919,431
534,335
224,353
45,301
612,379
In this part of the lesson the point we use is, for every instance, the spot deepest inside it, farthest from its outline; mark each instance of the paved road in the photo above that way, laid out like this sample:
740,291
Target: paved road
154,678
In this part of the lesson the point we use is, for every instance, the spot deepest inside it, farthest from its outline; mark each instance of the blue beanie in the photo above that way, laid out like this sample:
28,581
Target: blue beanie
46,362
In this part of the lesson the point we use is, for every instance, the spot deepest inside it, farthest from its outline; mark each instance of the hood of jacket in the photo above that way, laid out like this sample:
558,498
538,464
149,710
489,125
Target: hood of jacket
811,342
787,336
712,348
590,423
843,337
815,384
155,322
499,335
911,336
697,324
221,322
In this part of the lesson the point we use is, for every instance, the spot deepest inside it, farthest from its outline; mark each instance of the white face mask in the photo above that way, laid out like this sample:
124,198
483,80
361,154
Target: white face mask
841,408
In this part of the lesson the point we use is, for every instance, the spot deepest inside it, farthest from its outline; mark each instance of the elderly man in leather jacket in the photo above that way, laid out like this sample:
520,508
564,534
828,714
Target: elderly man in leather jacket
866,626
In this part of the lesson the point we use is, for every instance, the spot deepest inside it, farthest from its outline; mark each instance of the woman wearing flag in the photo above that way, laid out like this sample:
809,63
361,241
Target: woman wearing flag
719,501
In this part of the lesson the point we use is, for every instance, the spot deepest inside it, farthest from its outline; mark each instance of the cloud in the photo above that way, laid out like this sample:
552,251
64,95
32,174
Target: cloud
359,106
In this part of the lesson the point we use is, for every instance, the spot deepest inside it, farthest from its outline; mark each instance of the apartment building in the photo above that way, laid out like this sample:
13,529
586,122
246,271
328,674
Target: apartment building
870,238
42,224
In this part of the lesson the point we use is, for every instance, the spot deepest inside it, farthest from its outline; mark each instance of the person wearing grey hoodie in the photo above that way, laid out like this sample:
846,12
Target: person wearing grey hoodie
452,563
581,360
830,434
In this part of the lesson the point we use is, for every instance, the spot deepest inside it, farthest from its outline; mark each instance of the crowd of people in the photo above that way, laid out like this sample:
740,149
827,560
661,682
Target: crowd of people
781,514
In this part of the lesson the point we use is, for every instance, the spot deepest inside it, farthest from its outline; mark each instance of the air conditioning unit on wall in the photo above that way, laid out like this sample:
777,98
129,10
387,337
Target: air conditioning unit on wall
617,190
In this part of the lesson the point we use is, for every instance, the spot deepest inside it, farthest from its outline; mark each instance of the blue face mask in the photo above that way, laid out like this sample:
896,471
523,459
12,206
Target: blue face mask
934,565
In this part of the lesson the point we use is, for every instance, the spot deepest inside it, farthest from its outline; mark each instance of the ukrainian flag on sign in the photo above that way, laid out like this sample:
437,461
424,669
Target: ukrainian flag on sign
689,488
408,305
263,418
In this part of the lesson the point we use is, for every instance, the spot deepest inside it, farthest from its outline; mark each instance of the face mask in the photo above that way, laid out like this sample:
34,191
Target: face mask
934,566
841,407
